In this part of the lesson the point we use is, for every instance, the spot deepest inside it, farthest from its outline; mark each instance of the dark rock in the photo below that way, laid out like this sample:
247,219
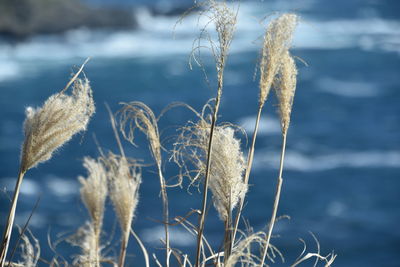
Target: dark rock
173,11
23,18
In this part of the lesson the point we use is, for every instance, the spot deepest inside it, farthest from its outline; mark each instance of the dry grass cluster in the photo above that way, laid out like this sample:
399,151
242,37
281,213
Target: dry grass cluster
207,152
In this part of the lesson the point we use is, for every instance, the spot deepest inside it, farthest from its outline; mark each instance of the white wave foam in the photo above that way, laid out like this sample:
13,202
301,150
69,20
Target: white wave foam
8,70
268,125
38,220
351,159
29,186
156,38
61,187
366,34
348,88
178,237
336,208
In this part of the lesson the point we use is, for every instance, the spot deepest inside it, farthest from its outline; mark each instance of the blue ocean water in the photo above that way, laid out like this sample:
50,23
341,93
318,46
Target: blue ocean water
342,167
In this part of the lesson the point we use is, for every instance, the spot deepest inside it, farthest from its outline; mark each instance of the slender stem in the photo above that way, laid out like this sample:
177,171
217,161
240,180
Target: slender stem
248,170
124,246
10,220
228,237
207,174
277,196
97,236
165,212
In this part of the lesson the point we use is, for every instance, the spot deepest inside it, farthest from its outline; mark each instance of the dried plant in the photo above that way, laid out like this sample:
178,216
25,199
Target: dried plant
52,125
227,167
137,115
94,193
46,129
285,87
277,41
243,253
86,239
209,153
124,179
327,260
226,170
30,251
224,18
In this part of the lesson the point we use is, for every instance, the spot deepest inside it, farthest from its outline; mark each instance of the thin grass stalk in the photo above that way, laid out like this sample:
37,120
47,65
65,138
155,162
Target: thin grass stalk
250,158
277,197
144,119
97,246
228,237
97,233
165,212
207,174
10,220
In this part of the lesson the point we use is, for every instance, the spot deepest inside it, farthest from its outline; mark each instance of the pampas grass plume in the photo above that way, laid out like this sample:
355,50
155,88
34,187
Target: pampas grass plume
226,173
225,25
85,238
30,250
47,128
227,167
124,186
137,115
124,180
94,191
277,41
285,88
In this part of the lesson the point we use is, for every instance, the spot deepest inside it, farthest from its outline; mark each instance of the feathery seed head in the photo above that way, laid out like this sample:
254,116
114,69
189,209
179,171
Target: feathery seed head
86,239
137,115
243,252
224,19
277,41
285,87
30,251
124,180
227,162
94,191
50,126
225,24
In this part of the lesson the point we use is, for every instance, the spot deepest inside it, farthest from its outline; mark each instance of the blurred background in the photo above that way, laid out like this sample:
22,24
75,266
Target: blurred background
342,167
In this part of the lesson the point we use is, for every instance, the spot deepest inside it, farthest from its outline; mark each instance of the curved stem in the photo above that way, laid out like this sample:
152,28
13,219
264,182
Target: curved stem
248,170
143,248
10,220
276,202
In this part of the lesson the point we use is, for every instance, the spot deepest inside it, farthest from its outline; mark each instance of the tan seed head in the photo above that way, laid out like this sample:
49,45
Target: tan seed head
277,41
47,128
